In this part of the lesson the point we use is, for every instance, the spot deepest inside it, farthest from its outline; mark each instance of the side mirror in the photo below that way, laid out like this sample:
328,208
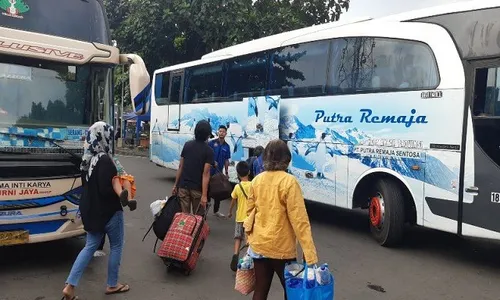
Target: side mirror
139,82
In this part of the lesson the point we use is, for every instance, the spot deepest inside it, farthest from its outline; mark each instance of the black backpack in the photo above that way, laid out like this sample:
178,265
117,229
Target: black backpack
162,221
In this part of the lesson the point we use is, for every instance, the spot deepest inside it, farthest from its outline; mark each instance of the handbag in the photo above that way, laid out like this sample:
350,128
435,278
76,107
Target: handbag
245,277
219,187
299,287
245,281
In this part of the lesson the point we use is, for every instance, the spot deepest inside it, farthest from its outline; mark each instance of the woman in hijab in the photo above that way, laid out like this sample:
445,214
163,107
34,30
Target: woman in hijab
100,209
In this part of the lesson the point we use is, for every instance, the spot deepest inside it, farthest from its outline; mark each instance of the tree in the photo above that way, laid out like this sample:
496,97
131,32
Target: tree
169,32
19,5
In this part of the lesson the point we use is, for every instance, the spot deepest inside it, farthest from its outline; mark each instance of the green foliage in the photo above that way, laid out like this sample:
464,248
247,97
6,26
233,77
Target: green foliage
168,32
121,81
19,5
4,4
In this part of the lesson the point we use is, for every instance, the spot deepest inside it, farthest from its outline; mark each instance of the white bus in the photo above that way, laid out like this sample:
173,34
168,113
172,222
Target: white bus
399,115
56,79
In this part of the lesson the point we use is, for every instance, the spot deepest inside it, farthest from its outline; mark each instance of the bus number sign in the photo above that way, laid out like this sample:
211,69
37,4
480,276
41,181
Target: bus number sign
495,197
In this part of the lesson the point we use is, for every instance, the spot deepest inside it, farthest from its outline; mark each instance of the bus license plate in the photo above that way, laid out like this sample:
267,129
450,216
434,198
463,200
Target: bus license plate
8,238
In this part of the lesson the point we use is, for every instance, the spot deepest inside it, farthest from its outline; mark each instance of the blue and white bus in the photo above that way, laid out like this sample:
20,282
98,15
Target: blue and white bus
56,71
398,115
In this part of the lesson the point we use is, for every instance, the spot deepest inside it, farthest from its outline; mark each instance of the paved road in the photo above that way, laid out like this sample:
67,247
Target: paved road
431,265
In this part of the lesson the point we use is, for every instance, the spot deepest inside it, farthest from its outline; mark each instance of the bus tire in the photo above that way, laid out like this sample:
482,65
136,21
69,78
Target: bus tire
387,212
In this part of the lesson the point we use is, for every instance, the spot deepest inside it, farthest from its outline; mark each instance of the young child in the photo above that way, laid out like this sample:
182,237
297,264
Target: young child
124,186
240,196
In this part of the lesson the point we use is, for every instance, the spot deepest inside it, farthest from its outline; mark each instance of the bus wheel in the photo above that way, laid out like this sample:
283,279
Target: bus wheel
387,213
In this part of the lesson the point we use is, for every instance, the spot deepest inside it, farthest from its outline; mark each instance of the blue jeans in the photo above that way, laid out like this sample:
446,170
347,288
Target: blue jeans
115,231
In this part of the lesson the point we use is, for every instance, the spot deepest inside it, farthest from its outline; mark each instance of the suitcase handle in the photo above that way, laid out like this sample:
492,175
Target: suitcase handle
200,247
207,208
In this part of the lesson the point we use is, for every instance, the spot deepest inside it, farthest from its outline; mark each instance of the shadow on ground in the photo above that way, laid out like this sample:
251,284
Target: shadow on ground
417,240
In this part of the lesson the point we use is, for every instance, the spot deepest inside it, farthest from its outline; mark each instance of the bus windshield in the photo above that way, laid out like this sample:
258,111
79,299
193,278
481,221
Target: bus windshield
82,20
42,92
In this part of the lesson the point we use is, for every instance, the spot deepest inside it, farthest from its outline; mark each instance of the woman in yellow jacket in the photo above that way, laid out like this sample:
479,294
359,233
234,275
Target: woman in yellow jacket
277,218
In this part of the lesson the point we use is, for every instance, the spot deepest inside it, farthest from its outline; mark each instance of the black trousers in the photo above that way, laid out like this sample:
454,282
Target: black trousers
216,202
264,272
216,206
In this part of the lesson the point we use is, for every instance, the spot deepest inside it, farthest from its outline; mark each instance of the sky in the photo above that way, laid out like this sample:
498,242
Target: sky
377,8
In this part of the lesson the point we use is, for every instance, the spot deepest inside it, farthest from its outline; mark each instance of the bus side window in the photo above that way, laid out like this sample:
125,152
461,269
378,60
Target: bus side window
300,70
381,65
175,89
203,83
486,95
246,76
162,86
486,111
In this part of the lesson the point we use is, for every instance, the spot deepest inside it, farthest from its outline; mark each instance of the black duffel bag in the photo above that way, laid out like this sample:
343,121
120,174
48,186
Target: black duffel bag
164,219
219,187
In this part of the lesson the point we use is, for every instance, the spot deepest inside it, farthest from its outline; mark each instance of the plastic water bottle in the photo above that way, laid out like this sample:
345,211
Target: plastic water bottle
245,263
291,270
310,278
323,275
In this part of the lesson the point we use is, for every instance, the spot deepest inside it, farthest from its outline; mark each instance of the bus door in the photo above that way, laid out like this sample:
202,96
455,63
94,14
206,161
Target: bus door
175,99
481,202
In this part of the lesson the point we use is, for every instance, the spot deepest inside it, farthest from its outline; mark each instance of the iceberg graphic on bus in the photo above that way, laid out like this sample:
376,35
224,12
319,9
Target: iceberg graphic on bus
308,142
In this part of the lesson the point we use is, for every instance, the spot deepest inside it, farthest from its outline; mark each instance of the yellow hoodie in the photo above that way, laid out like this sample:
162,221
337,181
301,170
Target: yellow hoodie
277,218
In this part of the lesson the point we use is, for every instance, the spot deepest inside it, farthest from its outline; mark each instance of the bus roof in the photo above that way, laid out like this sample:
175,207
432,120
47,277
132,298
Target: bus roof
277,40
260,44
441,10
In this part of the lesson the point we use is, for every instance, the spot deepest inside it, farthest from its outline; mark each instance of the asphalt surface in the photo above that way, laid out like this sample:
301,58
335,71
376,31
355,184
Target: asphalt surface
430,264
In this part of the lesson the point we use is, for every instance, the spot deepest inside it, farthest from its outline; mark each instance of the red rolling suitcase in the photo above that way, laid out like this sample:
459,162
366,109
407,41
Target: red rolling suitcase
184,241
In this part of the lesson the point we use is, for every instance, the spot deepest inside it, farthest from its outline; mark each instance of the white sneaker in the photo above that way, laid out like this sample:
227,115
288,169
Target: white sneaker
218,214
99,253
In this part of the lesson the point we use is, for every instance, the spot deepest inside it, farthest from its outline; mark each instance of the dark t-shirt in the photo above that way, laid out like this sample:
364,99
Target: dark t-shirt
196,155
99,201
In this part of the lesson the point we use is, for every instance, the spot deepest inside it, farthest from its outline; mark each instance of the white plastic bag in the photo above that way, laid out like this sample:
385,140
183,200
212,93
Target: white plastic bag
157,206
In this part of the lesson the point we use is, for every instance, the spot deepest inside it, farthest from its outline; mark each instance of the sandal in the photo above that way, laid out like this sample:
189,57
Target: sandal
132,205
234,262
124,198
69,297
122,289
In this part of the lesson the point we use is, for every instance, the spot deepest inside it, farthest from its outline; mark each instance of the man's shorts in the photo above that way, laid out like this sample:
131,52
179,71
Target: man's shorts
239,231
130,179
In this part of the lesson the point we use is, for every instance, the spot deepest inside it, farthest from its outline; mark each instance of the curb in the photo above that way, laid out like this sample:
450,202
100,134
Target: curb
132,153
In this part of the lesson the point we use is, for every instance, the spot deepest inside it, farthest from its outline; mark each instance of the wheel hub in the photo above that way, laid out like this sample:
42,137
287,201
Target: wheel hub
377,211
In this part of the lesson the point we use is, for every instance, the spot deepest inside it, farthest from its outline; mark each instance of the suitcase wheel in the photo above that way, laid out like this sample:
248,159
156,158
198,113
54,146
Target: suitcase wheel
187,272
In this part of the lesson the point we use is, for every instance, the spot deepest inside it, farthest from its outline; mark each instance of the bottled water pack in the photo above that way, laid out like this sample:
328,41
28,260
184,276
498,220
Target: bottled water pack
320,274
245,263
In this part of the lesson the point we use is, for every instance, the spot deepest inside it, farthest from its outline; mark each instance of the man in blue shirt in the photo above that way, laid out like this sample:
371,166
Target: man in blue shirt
222,154
258,165
251,160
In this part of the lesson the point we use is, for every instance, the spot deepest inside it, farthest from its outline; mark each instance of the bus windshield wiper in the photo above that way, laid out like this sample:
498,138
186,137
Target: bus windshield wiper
42,138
